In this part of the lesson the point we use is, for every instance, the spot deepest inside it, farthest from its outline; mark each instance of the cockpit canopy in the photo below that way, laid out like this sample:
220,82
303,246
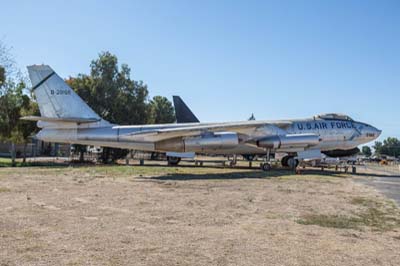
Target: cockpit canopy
333,116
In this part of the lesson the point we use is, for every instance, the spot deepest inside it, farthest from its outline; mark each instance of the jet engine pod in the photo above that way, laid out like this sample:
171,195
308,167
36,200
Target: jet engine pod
289,141
212,141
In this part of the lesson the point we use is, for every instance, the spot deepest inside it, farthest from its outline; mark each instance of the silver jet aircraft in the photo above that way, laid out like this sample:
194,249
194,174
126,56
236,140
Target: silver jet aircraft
66,118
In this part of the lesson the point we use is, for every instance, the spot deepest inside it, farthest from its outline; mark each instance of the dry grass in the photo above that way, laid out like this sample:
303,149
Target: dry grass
333,221
118,215
382,215
4,189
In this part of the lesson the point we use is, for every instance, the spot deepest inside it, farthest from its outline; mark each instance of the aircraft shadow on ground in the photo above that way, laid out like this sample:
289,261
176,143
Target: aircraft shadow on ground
251,174
333,172
378,175
216,176
257,174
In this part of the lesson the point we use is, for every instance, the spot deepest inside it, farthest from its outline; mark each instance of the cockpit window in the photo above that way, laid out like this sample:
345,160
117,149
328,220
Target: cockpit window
334,116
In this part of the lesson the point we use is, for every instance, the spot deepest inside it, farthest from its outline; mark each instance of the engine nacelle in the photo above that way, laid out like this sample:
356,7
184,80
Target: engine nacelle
289,141
215,141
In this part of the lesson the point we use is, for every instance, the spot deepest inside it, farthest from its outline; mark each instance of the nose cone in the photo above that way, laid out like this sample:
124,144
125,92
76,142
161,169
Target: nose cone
371,133
378,132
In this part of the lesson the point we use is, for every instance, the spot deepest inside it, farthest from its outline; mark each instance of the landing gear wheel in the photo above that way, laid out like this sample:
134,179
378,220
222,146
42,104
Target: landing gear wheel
284,161
265,166
173,160
234,161
292,162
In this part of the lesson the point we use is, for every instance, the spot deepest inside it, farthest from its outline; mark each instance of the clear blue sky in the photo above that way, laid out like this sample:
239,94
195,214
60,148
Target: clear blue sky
228,59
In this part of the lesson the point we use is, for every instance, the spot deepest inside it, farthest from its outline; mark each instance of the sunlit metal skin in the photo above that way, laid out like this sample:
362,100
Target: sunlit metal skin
289,141
216,142
65,118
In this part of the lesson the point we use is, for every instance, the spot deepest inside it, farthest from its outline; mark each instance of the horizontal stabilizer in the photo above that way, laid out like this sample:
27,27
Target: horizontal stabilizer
61,120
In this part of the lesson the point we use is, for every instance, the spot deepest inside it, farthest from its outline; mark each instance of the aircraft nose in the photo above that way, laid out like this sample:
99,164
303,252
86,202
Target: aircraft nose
378,132
373,132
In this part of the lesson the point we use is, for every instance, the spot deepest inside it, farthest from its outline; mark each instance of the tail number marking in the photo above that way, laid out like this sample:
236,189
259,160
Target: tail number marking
60,92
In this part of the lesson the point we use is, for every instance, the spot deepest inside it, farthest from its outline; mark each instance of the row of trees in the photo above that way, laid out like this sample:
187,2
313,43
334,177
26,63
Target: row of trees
108,89
389,146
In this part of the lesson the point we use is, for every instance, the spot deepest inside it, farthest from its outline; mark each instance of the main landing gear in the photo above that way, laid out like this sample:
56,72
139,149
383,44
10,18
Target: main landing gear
289,161
266,165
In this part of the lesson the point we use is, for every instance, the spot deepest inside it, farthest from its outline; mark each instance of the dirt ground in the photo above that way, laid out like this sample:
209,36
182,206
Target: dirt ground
123,215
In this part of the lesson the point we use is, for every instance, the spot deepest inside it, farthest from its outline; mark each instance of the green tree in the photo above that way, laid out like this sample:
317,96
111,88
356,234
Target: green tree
27,129
111,92
390,146
2,75
378,147
14,103
366,151
161,111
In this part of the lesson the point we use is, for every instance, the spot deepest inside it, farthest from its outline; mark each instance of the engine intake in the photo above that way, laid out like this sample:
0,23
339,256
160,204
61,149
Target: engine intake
289,141
214,141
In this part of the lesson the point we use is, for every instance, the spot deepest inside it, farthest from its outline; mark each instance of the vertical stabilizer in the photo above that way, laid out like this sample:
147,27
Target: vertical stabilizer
55,98
182,112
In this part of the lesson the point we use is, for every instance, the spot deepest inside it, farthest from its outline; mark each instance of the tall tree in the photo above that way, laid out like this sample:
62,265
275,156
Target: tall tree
14,102
2,75
110,91
25,128
378,147
161,111
366,151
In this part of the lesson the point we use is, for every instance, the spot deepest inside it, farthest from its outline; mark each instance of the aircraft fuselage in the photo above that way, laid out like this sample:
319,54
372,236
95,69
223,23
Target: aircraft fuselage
333,135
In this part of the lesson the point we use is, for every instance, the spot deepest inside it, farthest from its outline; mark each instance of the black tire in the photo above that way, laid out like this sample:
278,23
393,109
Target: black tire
173,160
292,162
265,167
284,161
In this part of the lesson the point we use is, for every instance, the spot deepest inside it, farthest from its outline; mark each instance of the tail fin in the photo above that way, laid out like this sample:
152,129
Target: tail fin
182,112
55,98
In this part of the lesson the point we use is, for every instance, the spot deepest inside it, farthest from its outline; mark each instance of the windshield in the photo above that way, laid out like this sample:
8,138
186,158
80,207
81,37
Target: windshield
334,116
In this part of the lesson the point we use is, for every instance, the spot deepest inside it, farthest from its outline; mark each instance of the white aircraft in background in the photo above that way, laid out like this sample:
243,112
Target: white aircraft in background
66,118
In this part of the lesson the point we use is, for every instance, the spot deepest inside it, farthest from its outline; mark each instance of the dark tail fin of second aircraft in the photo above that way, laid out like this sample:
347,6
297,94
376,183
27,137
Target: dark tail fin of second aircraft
182,112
